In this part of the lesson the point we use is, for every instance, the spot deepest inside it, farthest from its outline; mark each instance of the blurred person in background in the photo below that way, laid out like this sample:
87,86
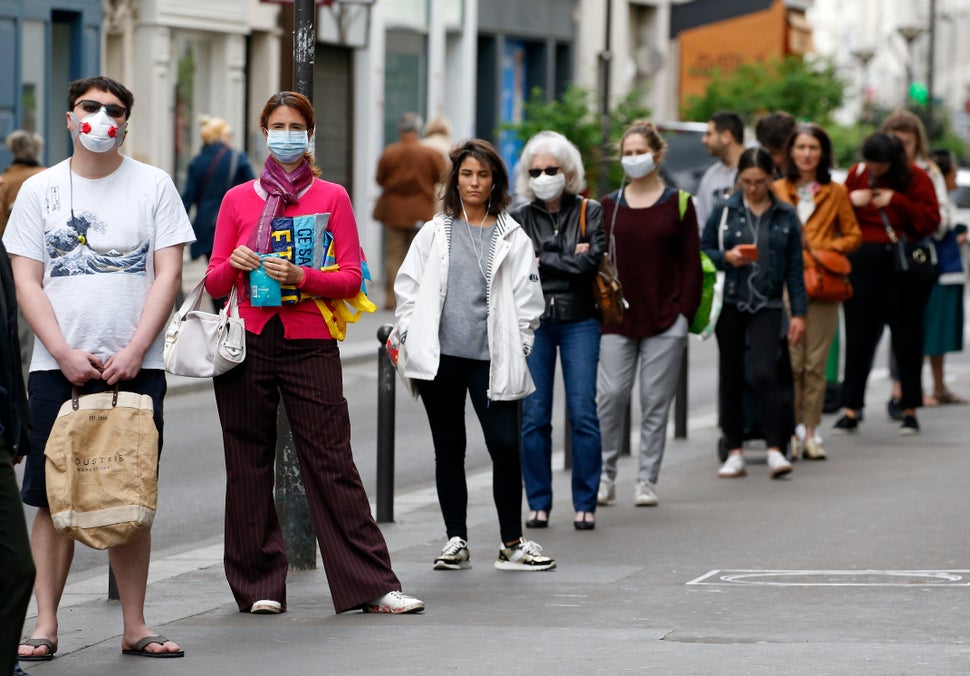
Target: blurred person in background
437,135
26,148
724,139
773,132
828,223
550,174
217,168
893,200
943,320
408,172
909,129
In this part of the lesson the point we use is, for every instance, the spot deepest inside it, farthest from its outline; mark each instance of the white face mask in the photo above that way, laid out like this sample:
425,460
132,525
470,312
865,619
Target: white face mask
546,187
99,132
637,166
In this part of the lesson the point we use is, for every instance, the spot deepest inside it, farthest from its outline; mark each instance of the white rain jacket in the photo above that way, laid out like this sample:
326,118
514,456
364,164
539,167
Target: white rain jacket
513,294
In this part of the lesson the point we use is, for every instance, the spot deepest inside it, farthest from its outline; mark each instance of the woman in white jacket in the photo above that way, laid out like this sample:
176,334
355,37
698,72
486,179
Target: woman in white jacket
470,332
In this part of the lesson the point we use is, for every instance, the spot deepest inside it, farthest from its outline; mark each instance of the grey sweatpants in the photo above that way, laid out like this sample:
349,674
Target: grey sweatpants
658,358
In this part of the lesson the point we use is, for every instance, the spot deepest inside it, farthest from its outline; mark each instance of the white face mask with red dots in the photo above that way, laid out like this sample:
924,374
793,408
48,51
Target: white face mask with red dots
98,132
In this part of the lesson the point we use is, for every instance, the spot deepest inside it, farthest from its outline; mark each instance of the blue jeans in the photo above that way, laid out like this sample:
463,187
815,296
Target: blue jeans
579,348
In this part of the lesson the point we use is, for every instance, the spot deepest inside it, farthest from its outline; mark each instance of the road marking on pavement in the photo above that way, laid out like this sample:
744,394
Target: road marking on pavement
835,578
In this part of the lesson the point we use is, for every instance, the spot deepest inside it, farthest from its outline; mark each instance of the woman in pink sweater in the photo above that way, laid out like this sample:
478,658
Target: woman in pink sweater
291,355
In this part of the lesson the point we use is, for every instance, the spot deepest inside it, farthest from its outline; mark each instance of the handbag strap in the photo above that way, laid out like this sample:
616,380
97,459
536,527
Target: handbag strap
212,167
76,396
582,219
721,228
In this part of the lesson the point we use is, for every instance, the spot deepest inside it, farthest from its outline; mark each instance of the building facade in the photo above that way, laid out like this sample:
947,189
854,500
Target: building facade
44,44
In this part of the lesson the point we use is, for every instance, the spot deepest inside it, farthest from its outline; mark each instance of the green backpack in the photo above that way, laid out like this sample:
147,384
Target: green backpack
709,277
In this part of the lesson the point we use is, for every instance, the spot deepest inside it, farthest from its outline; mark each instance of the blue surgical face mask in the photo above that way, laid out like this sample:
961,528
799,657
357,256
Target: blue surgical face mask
286,145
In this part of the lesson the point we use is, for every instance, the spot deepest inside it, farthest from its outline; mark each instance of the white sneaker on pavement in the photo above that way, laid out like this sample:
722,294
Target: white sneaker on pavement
394,602
733,467
606,493
644,495
778,464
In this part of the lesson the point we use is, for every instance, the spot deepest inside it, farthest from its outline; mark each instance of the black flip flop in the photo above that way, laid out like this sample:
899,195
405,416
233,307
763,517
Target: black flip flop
139,648
38,643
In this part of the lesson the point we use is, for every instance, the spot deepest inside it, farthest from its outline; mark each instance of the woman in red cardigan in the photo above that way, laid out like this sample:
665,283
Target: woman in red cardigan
292,356
893,199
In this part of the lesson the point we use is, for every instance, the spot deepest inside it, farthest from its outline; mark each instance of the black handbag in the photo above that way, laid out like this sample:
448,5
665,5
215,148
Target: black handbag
916,261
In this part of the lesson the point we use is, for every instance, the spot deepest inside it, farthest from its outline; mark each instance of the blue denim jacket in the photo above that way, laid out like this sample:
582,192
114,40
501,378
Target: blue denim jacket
784,265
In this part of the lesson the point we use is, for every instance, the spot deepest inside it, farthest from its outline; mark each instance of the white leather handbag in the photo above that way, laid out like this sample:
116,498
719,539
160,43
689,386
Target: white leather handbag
201,344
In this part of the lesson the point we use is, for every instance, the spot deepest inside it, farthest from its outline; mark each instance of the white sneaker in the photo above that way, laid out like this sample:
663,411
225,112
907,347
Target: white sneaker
644,495
454,556
266,607
778,464
607,492
814,449
394,602
524,555
733,467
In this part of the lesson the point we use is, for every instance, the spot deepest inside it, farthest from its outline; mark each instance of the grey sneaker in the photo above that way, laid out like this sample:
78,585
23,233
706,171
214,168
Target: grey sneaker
644,495
524,555
454,556
607,492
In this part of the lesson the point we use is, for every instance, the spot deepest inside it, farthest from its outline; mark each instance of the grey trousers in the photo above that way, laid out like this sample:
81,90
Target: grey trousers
658,358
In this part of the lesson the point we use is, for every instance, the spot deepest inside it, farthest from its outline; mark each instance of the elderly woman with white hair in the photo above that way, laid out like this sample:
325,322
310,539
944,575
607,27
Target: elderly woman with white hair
567,232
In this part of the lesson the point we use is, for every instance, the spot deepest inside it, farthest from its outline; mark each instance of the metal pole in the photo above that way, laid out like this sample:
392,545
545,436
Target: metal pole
605,58
931,66
386,389
304,46
680,400
291,503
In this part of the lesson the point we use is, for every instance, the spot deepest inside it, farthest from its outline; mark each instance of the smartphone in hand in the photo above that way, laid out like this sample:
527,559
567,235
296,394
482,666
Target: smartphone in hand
748,251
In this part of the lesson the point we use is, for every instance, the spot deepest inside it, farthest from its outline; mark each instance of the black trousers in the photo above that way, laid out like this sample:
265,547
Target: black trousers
17,565
882,297
444,401
759,332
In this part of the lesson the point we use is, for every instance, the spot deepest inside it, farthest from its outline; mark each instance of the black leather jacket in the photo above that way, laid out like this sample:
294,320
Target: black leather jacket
567,277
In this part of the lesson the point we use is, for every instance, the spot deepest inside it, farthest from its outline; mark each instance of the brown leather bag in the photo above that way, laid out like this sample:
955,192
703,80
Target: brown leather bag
607,290
827,275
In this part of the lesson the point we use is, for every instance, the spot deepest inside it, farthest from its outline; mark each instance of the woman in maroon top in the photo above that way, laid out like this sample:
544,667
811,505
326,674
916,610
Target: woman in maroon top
657,255
893,199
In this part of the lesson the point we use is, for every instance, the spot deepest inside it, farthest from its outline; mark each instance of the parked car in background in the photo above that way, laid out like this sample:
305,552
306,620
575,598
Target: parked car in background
686,159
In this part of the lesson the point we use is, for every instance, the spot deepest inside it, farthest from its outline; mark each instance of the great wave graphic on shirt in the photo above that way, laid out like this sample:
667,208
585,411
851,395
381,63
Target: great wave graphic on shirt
71,254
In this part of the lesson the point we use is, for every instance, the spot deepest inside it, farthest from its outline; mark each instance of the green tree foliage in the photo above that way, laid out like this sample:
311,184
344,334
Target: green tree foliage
809,90
576,116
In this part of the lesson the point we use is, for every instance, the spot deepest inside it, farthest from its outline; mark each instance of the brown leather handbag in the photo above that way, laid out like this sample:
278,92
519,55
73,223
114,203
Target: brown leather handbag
827,275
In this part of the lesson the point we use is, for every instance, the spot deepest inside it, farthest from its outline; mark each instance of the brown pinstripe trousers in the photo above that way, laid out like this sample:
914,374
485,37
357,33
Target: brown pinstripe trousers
308,375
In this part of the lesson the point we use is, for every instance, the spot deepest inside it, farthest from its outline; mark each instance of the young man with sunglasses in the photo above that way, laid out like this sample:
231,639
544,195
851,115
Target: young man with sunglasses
96,245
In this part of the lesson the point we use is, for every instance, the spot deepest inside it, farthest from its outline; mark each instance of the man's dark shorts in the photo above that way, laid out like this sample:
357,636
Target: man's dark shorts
46,392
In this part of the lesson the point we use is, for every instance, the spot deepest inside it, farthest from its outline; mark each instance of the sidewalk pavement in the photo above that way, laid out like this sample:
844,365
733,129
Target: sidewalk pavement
854,565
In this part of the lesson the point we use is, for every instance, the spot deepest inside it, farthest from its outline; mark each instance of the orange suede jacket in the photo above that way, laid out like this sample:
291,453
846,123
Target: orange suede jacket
833,224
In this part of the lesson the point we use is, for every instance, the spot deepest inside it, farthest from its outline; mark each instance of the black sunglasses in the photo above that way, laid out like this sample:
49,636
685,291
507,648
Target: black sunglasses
113,110
549,171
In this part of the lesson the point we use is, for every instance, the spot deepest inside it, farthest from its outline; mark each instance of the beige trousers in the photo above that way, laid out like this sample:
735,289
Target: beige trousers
809,359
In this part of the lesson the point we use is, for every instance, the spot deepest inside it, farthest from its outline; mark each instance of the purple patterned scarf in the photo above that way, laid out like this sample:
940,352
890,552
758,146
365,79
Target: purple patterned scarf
282,189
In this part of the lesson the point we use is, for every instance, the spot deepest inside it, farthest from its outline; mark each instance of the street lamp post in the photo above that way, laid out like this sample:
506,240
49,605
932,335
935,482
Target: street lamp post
909,34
